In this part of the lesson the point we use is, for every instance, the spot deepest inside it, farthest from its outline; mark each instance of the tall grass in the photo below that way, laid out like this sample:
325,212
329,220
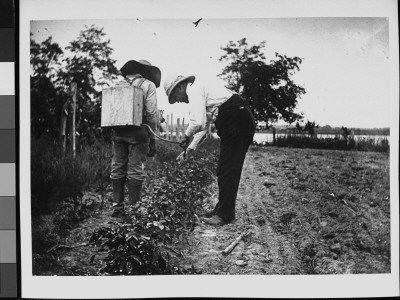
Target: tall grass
56,176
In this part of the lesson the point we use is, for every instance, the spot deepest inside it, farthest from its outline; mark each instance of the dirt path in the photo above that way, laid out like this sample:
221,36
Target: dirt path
262,251
308,212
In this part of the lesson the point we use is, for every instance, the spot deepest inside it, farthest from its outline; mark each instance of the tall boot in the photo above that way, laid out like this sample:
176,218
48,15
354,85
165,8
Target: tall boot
134,189
118,196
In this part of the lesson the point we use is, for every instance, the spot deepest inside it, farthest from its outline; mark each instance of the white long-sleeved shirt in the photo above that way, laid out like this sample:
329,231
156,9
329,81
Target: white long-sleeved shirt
204,105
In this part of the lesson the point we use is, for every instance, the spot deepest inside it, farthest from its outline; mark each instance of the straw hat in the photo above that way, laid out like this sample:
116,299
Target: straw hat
144,68
171,82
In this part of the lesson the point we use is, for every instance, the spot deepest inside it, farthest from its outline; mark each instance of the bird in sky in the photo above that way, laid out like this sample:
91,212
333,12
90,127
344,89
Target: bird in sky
197,22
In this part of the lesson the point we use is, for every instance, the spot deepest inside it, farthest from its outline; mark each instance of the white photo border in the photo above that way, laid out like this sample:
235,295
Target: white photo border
249,286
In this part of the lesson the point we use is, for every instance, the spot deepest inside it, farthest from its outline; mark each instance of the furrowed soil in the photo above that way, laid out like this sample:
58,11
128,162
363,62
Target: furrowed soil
305,211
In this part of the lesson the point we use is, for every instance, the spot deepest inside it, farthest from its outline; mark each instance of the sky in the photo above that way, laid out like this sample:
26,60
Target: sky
344,71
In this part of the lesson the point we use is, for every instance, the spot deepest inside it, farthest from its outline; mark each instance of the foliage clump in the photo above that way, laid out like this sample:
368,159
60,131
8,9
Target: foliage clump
268,88
141,243
87,62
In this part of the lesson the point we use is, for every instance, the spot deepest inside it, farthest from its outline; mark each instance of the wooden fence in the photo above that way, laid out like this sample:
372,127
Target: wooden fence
172,129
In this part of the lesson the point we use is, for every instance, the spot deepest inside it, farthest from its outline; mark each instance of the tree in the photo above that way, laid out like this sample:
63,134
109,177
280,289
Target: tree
298,126
345,132
269,89
87,62
310,127
45,57
46,98
326,127
91,67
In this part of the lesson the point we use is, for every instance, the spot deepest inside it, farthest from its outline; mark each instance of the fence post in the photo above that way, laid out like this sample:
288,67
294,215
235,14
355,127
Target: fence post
178,128
273,135
172,126
183,126
63,125
167,128
74,92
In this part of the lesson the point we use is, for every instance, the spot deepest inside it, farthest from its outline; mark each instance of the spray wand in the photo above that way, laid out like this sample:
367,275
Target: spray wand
173,142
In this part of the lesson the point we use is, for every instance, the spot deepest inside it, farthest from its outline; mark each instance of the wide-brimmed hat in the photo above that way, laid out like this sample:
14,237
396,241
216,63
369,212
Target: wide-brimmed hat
173,81
144,68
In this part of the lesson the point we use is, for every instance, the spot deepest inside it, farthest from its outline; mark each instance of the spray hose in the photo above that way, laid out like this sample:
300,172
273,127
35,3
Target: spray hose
169,141
159,137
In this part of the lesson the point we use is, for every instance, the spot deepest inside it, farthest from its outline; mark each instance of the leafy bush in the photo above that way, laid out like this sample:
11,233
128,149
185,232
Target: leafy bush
177,195
173,202
130,250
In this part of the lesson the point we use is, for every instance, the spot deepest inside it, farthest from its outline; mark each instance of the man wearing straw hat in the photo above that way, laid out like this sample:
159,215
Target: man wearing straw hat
235,126
131,145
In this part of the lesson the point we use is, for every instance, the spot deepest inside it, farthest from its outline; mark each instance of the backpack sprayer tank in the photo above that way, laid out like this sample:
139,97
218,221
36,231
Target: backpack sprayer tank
122,106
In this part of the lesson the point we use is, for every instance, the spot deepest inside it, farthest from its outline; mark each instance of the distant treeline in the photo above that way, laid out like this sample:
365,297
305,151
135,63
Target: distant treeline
333,143
331,131
357,131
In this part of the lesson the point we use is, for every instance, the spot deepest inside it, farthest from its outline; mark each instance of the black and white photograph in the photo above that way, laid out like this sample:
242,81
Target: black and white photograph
198,148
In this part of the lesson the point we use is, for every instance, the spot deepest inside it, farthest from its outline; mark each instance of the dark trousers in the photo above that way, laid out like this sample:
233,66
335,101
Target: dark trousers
236,127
